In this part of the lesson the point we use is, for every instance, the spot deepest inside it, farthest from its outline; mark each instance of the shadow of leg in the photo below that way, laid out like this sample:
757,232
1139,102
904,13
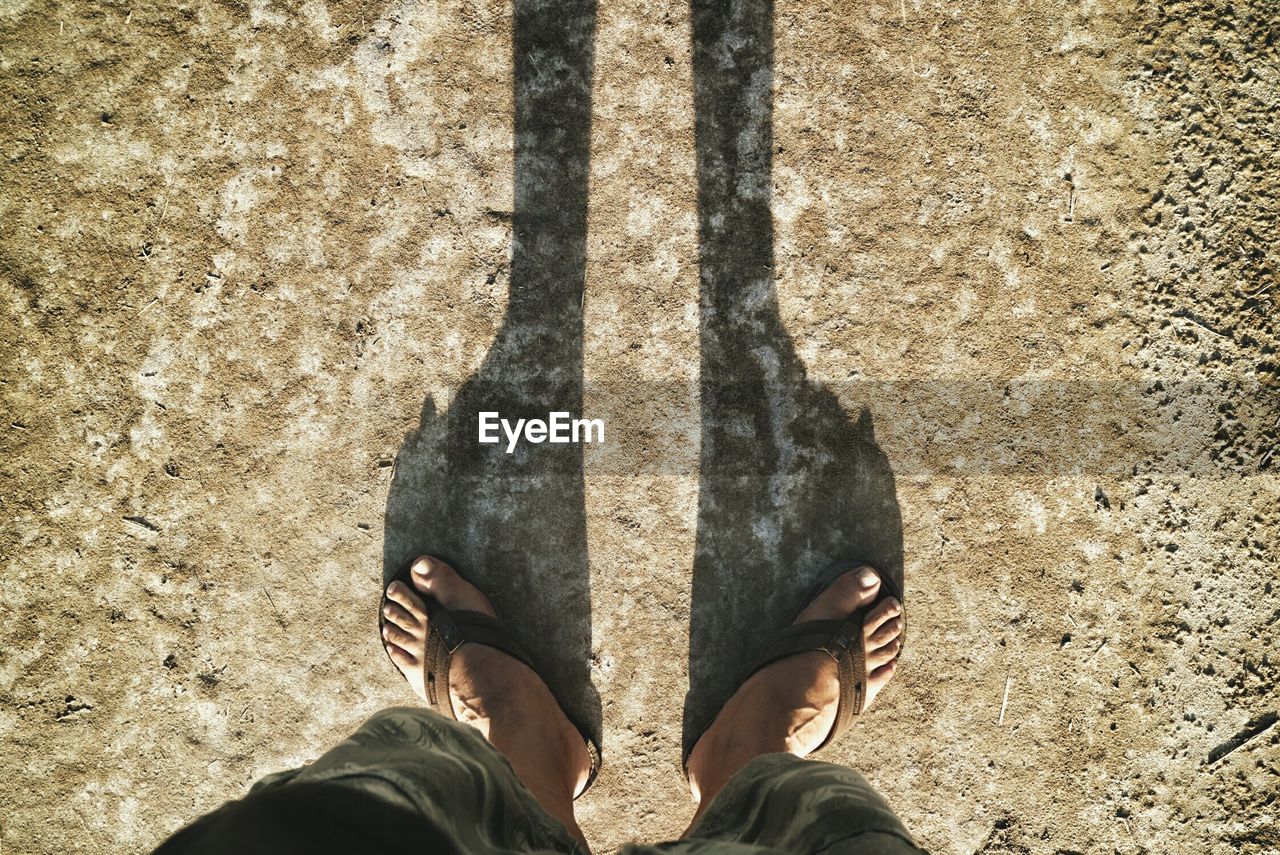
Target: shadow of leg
789,484
514,524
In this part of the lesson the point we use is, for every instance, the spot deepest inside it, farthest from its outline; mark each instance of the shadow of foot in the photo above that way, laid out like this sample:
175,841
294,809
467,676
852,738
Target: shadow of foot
514,524
789,484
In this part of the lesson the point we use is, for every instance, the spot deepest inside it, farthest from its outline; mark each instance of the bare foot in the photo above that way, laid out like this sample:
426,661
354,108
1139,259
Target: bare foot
790,705
496,694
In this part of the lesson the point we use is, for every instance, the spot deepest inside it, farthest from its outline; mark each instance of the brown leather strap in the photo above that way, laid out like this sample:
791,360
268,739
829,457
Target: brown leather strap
435,675
851,660
842,641
449,630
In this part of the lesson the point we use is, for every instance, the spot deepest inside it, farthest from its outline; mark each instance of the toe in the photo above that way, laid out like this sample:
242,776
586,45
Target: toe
433,576
879,677
399,637
883,655
428,571
402,617
851,591
880,616
888,631
400,594
403,658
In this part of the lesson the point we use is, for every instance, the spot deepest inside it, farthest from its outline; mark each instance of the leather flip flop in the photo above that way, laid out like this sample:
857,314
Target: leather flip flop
839,639
446,632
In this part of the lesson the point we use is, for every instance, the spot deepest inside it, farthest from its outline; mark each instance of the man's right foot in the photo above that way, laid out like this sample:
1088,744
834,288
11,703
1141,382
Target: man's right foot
790,705
490,690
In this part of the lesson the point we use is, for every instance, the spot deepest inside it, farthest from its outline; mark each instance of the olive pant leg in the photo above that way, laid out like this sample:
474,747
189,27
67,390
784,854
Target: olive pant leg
781,803
446,772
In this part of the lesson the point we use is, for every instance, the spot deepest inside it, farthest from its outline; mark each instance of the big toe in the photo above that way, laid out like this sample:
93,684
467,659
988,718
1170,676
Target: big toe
433,577
850,591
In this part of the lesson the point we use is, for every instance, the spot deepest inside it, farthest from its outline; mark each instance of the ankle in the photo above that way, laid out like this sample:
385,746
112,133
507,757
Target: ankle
771,713
527,726
729,745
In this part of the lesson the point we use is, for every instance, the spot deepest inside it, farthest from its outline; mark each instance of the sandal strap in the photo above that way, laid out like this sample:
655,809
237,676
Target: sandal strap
833,637
457,627
842,641
852,663
447,631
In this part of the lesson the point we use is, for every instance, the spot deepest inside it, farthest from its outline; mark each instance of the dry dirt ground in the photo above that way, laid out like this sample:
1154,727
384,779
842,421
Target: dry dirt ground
242,242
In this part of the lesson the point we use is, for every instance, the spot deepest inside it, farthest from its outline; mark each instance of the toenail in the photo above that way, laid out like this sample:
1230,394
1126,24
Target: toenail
867,577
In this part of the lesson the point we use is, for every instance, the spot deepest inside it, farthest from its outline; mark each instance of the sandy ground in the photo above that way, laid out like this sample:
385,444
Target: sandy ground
1027,248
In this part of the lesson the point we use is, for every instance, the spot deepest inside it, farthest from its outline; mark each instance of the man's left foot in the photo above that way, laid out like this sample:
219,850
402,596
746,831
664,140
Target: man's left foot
790,705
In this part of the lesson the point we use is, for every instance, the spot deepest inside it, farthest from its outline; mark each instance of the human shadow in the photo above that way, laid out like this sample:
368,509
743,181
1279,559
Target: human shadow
514,524
789,484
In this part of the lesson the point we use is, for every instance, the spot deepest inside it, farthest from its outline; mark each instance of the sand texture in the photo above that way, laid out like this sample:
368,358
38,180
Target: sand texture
982,292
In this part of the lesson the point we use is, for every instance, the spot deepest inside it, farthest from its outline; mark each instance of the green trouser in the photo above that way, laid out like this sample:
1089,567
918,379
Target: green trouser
447,774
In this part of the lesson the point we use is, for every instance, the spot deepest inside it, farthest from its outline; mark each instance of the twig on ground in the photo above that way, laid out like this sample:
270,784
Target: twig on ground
279,619
1191,317
1253,727
1095,653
